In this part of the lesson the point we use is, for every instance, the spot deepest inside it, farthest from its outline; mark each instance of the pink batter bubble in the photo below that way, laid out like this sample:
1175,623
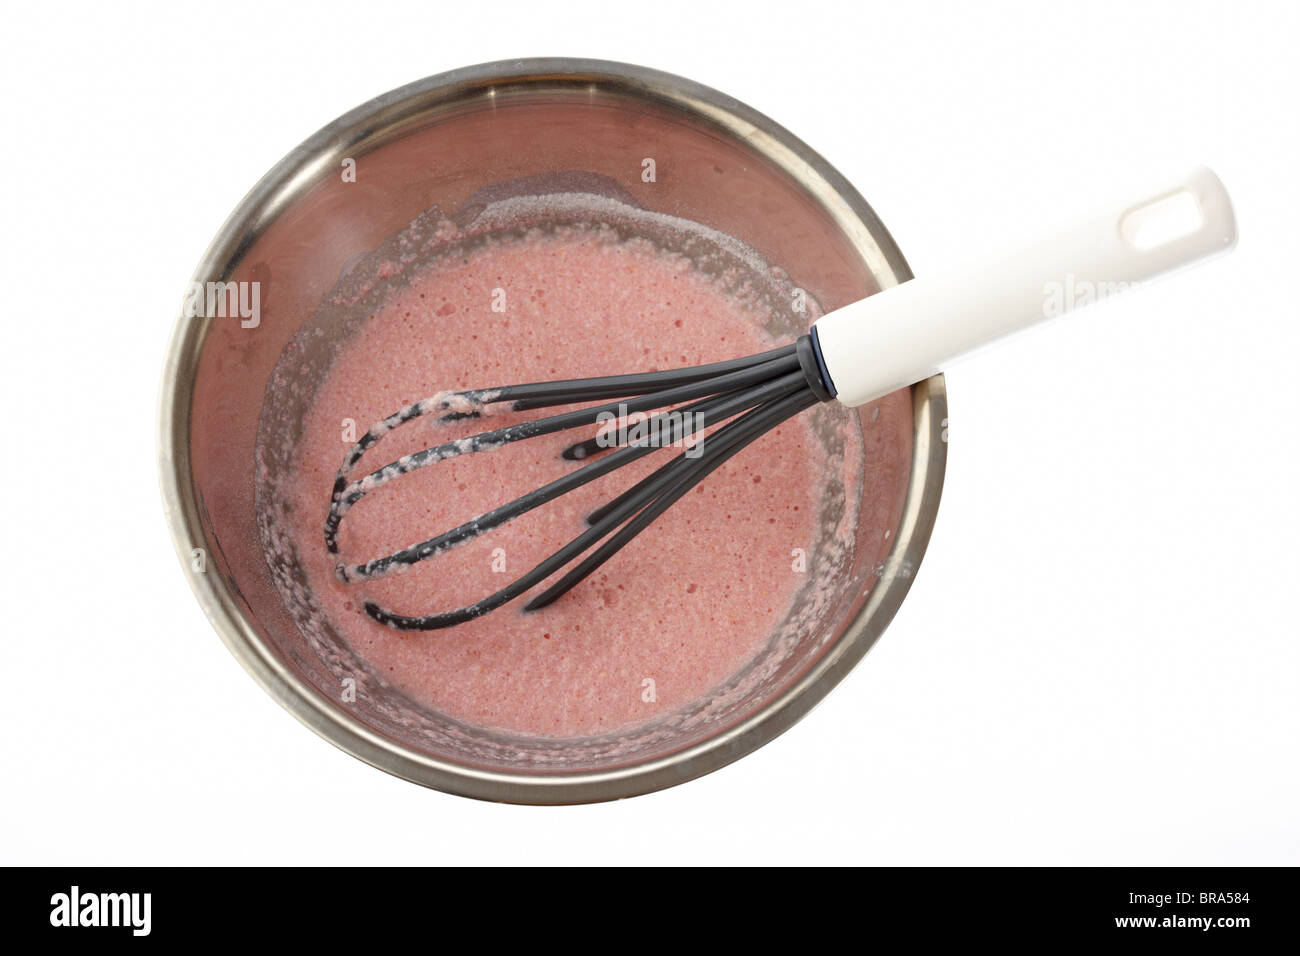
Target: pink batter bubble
674,614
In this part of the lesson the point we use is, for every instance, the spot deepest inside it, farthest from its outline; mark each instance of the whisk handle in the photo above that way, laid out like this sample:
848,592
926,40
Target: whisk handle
911,331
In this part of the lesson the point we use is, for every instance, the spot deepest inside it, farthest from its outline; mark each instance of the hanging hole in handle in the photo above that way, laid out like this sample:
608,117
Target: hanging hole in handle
1161,222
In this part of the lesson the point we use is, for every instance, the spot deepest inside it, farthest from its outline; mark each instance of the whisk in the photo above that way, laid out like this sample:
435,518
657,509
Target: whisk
852,355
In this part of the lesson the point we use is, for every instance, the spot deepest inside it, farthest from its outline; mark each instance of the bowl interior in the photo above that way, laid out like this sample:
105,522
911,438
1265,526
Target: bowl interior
450,146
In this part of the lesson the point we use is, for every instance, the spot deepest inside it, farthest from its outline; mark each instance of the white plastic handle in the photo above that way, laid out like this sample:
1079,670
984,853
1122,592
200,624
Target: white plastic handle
910,332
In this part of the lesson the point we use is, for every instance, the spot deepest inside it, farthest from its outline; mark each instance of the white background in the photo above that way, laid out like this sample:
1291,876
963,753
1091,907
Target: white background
1098,662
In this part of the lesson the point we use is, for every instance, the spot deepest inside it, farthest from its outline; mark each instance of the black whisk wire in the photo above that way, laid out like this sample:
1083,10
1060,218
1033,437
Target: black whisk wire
758,392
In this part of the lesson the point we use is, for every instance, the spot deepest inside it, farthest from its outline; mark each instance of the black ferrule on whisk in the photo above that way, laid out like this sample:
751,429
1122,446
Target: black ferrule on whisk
809,351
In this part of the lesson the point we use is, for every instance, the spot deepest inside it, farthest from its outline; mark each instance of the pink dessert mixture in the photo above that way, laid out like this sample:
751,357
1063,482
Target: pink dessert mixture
674,614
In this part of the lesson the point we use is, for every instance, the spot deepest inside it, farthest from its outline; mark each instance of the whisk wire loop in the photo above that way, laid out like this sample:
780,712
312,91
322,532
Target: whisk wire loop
758,392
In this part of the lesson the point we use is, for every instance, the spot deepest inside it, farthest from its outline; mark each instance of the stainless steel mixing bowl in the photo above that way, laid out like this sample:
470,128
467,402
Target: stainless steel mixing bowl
438,142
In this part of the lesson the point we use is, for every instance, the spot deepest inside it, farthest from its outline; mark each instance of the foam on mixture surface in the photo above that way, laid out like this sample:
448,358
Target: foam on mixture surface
674,614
